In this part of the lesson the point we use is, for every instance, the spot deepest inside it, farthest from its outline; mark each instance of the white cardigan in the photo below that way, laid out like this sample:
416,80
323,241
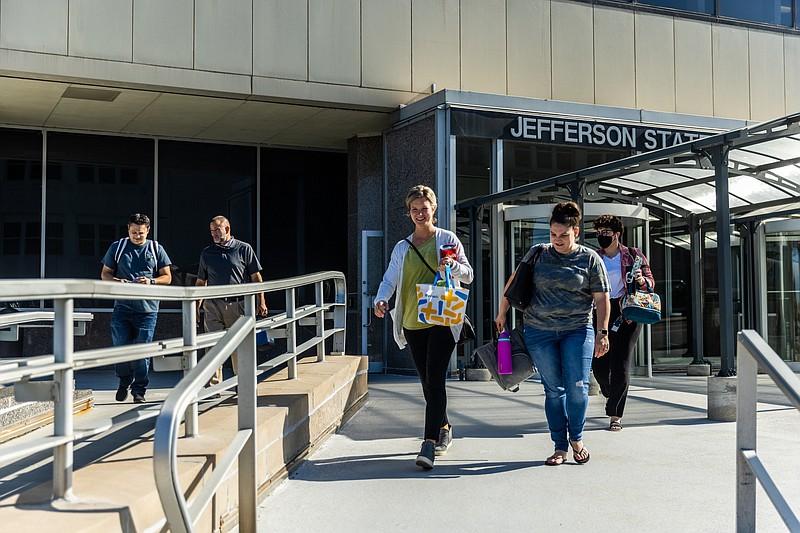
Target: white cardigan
393,279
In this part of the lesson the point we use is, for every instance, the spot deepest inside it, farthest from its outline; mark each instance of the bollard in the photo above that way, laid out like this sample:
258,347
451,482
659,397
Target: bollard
722,399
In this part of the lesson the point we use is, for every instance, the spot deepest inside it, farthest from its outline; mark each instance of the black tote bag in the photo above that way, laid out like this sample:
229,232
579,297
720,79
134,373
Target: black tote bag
521,362
520,291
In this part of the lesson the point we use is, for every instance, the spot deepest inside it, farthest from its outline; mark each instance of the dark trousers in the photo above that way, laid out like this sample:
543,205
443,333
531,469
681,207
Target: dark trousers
613,370
431,349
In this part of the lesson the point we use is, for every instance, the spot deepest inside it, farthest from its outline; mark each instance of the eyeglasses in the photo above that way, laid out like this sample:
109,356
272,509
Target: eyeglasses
605,233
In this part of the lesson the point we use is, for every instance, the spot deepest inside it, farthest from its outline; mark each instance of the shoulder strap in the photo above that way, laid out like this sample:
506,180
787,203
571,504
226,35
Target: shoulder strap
420,256
536,253
121,244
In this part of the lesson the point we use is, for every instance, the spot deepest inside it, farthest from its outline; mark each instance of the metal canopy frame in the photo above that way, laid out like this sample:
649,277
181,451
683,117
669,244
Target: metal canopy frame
742,176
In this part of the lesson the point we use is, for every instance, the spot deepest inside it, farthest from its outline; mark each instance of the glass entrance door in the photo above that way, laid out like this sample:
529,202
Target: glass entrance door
373,331
783,288
527,225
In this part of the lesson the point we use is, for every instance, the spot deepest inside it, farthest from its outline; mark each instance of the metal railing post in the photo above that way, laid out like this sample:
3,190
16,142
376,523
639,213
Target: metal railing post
248,479
189,361
319,299
746,409
62,412
339,317
291,334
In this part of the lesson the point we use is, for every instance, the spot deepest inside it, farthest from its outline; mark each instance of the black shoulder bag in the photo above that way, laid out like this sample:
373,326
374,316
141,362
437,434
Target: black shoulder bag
520,292
467,330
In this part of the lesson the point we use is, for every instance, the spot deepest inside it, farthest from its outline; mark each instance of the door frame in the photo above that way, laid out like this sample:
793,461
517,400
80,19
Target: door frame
367,299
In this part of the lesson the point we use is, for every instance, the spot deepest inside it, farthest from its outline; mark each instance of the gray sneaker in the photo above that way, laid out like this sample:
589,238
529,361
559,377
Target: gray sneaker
426,455
445,440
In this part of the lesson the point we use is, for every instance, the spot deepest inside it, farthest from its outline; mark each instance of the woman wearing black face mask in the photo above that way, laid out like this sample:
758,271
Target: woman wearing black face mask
612,370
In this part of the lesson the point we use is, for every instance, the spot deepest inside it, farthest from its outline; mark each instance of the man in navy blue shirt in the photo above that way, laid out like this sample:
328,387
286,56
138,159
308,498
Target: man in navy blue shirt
228,261
135,259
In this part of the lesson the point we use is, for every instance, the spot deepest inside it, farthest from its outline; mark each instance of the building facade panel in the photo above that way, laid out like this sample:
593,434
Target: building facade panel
483,46
386,44
694,83
28,102
573,52
655,62
435,45
791,57
731,80
224,36
280,39
163,33
101,29
767,87
35,26
528,45
334,41
614,64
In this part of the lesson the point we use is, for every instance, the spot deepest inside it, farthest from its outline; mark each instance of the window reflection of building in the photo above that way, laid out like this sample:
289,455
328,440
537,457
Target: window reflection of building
20,203
783,294
93,184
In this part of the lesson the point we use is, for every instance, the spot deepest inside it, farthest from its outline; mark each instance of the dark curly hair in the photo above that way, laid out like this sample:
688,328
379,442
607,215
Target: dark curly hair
567,213
609,221
138,219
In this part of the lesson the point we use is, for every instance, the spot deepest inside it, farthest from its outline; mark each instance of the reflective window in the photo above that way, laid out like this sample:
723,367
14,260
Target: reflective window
777,12
525,162
473,167
783,294
305,196
773,12
89,200
20,203
198,181
695,6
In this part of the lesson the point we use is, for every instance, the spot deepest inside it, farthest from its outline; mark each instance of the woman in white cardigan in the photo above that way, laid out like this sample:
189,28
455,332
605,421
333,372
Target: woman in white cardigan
431,346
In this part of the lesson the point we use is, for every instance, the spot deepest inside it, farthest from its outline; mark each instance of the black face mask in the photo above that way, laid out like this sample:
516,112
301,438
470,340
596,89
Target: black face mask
605,240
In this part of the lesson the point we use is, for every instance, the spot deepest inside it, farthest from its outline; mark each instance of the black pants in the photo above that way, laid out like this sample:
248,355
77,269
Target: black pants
431,349
612,371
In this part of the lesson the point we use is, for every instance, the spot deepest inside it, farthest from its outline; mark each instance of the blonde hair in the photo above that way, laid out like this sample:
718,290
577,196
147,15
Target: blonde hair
420,191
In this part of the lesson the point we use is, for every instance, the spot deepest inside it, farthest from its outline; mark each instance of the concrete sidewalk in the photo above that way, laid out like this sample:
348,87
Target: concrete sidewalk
670,469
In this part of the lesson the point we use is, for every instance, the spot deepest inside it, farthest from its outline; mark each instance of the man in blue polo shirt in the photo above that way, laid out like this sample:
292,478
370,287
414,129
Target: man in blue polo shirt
228,261
135,259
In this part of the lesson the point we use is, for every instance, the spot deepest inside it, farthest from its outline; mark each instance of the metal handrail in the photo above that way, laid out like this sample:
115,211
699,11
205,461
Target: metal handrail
754,353
64,361
180,517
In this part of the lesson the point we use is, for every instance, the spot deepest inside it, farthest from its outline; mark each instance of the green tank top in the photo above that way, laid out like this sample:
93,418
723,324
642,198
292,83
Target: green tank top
415,271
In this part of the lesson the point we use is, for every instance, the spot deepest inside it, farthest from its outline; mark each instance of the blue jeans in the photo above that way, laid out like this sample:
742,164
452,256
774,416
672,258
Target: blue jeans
564,359
130,327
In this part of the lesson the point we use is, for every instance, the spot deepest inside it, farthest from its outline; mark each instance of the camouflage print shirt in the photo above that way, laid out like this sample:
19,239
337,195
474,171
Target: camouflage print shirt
563,286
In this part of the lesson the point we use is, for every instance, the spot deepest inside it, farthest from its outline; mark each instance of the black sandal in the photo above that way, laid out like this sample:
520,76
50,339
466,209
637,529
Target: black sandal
556,459
579,456
615,425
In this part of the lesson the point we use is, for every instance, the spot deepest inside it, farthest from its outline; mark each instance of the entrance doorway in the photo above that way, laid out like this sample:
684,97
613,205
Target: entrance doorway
782,268
527,225
373,332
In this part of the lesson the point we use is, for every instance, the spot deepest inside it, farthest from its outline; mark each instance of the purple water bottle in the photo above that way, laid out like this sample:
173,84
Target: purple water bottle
504,365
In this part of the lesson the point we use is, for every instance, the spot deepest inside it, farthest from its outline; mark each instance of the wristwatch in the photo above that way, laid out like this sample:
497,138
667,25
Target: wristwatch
152,281
602,332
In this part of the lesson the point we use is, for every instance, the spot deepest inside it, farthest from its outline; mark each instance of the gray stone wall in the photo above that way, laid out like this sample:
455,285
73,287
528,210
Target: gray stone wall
365,212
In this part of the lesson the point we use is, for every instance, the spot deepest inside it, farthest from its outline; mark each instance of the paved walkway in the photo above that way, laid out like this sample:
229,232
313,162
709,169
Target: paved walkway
670,469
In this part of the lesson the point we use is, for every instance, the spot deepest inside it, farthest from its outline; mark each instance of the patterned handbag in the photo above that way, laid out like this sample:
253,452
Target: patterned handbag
642,306
441,305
